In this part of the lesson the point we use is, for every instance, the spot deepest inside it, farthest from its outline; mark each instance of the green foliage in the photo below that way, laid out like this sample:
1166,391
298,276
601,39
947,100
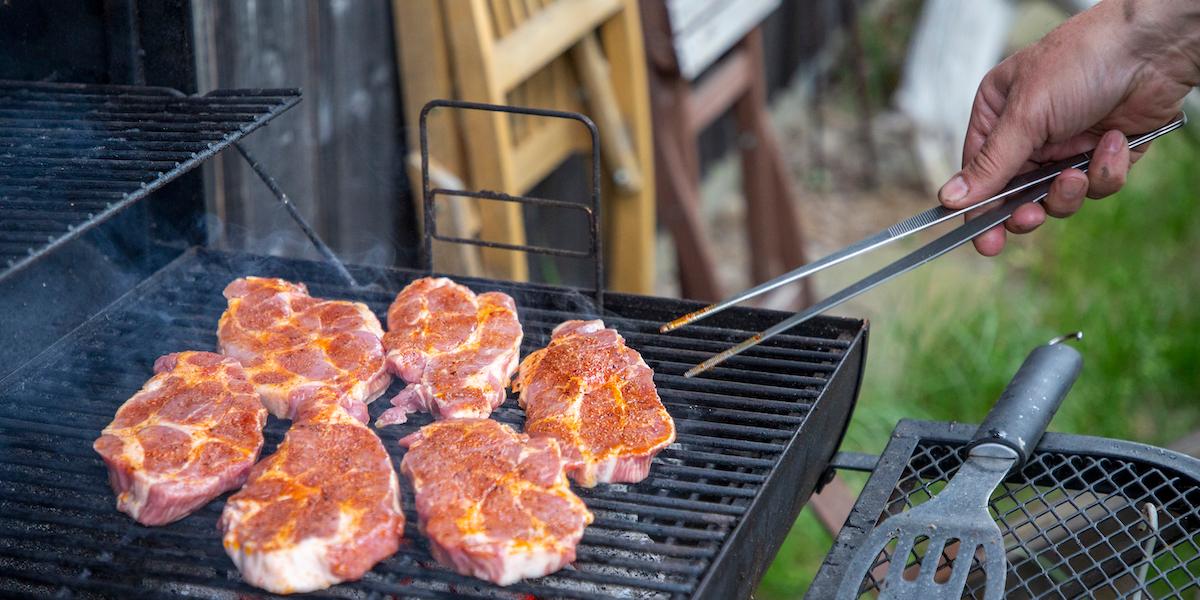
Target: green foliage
946,339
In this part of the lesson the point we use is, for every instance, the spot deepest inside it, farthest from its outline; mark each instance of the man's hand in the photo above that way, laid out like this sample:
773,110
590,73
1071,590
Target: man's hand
1122,67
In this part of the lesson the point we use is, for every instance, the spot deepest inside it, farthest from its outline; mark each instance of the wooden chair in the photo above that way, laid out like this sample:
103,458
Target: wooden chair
546,54
684,39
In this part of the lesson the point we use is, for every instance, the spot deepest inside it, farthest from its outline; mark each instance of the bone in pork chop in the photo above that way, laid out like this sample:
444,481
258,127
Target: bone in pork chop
290,341
456,350
596,396
494,503
324,508
190,434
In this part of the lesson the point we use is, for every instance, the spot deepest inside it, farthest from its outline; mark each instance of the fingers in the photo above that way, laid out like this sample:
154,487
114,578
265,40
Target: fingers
989,141
991,242
1110,165
1026,219
1066,193
1000,157
987,107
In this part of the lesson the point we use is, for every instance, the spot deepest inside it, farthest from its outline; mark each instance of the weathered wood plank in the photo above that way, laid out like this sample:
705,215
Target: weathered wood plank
335,154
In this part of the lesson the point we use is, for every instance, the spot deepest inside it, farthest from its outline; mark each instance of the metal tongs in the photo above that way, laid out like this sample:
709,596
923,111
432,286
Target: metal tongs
1024,189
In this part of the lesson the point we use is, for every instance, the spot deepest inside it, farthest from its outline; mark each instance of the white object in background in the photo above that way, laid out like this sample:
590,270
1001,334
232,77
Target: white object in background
706,29
953,47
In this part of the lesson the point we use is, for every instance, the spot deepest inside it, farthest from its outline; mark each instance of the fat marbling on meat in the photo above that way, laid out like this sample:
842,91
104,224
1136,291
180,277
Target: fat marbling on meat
596,396
324,508
456,350
190,434
289,341
494,503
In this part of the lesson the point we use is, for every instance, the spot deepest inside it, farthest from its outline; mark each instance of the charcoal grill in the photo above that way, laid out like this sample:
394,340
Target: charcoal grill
754,438
1085,518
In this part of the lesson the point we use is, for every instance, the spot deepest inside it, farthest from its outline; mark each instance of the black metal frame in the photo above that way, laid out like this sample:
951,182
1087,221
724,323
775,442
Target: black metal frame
595,250
882,496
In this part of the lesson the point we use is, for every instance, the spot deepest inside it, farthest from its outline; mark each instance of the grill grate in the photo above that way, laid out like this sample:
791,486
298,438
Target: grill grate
753,439
73,155
1076,520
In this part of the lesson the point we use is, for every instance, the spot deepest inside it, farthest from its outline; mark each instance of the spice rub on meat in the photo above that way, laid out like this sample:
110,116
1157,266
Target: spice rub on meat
290,341
495,504
190,434
455,349
596,396
324,508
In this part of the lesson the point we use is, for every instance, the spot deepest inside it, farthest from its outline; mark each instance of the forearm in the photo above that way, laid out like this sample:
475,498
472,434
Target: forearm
1165,34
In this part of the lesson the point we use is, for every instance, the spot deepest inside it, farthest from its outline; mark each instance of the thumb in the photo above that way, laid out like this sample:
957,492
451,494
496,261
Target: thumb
999,159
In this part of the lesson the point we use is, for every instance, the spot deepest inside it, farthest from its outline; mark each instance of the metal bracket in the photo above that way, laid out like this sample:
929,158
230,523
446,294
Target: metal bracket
595,251
316,240
854,461
280,195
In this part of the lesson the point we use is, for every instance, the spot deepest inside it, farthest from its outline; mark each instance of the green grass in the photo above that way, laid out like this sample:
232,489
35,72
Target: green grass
946,338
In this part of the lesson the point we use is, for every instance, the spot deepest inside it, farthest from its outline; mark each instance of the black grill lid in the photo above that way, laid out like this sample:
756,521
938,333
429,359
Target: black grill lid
73,155
754,437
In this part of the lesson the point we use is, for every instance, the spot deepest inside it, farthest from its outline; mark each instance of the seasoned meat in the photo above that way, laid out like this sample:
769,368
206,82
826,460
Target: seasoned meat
290,341
456,350
495,504
189,435
596,396
324,508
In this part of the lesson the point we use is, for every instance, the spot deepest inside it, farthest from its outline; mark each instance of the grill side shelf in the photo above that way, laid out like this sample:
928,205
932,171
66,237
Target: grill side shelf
1076,519
74,155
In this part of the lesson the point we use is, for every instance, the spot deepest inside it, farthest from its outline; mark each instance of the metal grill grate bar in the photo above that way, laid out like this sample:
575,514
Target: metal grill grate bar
117,143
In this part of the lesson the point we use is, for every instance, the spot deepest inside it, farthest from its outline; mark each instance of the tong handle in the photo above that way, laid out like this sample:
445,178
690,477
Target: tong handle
1028,404
1046,173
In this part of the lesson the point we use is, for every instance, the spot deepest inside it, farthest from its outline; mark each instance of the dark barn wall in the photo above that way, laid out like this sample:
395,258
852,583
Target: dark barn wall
336,154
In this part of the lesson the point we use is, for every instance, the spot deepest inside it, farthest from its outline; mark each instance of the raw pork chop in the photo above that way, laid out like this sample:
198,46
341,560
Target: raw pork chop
189,435
323,509
495,504
596,396
456,350
289,341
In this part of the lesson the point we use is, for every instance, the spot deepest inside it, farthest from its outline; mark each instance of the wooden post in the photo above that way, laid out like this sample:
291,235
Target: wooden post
474,45
630,241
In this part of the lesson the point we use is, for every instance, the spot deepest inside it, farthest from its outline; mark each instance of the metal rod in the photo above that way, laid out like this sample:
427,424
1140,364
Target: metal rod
595,247
1150,511
518,247
502,197
296,216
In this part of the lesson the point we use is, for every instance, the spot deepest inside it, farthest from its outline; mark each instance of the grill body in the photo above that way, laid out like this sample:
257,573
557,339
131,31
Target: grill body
1075,518
754,438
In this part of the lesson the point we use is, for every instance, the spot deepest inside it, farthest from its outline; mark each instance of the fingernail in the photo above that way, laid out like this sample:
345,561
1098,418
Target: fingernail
1113,141
954,191
1074,187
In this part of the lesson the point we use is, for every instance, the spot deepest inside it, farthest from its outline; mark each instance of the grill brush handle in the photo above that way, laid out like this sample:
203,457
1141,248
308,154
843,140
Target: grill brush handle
1028,404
